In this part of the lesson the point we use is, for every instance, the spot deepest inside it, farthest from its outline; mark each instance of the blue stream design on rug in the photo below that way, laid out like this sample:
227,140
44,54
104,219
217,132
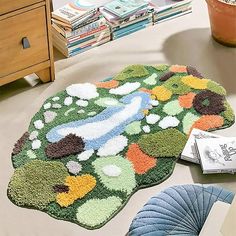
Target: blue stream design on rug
109,116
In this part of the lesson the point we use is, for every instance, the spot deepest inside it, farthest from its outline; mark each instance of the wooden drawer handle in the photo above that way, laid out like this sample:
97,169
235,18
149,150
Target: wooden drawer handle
25,43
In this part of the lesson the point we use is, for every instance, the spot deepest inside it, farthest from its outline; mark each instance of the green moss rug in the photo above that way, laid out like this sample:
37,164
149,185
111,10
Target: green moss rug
90,147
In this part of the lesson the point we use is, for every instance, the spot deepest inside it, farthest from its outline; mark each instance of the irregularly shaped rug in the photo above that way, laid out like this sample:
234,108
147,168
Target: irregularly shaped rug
178,210
90,147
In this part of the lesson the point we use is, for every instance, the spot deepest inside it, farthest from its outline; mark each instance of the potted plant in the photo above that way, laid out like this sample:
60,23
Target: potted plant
222,14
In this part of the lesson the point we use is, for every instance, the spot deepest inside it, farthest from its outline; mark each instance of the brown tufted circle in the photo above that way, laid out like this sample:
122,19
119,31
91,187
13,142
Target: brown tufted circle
208,103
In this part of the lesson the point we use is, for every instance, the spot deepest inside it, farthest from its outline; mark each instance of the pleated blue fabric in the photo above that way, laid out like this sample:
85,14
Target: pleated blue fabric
179,210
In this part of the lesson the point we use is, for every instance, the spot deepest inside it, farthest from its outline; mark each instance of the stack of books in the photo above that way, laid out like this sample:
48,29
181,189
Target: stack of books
127,16
80,25
77,27
215,154
169,9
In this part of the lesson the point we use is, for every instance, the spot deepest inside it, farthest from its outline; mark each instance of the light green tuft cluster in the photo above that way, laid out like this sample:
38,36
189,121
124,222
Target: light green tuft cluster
166,143
133,71
32,184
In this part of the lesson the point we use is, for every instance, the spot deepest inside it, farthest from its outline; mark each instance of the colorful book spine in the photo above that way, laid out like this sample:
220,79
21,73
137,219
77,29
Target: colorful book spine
73,39
123,8
131,31
91,19
174,6
173,15
77,51
81,22
90,43
133,17
84,29
133,26
115,20
73,11
77,23
116,36
87,38
149,16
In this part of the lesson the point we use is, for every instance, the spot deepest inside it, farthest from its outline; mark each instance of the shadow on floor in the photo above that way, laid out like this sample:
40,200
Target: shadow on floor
16,87
196,47
199,177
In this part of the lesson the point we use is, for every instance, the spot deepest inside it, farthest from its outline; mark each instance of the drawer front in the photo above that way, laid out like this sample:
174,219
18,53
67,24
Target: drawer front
12,5
30,25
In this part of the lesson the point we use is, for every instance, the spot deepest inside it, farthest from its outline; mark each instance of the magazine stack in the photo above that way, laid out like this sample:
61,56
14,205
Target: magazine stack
77,27
215,154
169,9
80,25
127,16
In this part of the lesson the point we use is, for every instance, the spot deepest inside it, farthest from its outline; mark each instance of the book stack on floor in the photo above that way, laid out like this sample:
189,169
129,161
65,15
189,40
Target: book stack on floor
169,9
77,27
80,25
215,154
127,16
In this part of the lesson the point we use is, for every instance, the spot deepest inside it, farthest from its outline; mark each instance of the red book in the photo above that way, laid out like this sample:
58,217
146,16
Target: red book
73,39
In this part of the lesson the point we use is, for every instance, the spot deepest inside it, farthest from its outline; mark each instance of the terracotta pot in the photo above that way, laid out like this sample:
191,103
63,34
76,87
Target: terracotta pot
223,22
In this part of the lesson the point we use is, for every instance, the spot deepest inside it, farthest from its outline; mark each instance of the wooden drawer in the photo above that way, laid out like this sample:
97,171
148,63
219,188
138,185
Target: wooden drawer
31,24
12,5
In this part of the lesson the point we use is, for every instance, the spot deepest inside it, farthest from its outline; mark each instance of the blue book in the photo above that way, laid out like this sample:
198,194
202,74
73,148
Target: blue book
83,49
123,8
129,32
131,27
174,7
81,41
79,50
116,36
173,15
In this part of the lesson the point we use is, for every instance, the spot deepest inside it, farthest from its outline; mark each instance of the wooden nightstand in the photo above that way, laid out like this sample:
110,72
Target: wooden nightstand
25,40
